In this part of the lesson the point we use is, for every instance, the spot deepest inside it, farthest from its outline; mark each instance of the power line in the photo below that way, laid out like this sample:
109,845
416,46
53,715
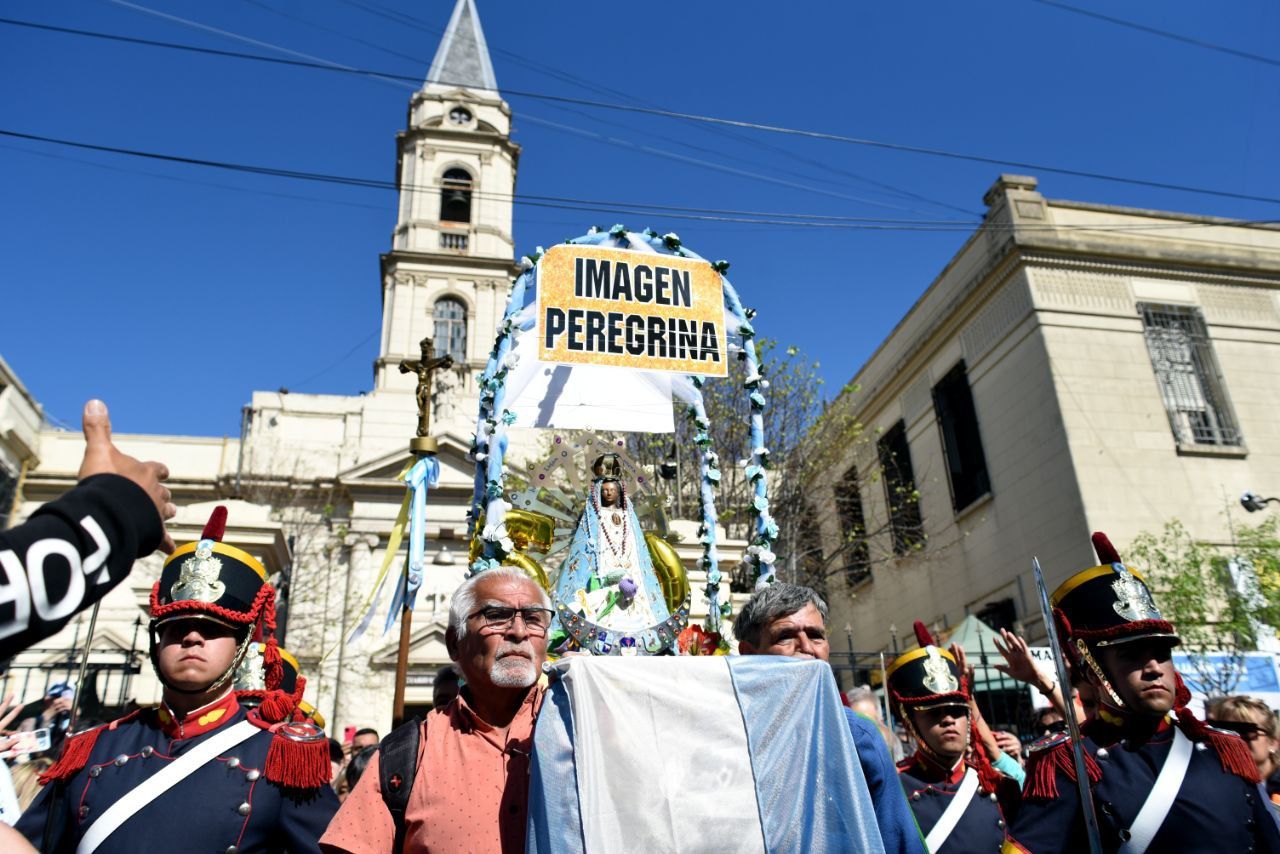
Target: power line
692,117
770,218
566,76
1164,34
538,67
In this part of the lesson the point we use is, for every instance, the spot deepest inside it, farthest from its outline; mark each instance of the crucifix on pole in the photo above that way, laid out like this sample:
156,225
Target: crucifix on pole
421,445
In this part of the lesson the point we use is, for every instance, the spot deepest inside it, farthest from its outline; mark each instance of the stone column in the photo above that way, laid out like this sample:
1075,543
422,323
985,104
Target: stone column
352,700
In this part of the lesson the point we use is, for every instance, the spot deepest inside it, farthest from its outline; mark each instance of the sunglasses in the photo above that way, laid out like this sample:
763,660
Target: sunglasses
1244,729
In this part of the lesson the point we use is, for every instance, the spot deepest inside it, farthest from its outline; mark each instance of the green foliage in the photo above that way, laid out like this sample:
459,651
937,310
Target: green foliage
1217,598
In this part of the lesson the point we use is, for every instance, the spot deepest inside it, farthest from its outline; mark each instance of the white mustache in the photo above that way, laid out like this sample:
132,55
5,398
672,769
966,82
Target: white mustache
508,649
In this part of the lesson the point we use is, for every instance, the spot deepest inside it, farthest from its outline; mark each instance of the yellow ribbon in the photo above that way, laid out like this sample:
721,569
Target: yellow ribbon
393,547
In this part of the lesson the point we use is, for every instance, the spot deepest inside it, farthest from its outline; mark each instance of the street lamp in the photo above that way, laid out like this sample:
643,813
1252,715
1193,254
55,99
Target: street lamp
1253,502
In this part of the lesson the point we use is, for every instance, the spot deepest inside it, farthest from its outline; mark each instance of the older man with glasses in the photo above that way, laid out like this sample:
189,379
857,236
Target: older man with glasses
468,788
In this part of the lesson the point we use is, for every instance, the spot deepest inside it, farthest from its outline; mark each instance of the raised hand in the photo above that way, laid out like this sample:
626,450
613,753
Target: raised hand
101,456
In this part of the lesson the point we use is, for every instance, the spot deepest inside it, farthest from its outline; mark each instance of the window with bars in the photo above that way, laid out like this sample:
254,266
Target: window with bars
1188,376
451,329
903,499
853,528
961,440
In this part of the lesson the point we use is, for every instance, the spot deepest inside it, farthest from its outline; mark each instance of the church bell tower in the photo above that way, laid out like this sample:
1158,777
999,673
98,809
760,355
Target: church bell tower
452,258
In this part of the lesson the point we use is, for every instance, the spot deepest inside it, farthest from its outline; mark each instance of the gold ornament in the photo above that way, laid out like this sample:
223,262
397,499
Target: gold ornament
938,677
198,577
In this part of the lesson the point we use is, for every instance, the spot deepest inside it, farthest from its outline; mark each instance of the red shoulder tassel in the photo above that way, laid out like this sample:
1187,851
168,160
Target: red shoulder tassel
277,706
1043,767
76,752
1106,552
1232,752
298,764
216,527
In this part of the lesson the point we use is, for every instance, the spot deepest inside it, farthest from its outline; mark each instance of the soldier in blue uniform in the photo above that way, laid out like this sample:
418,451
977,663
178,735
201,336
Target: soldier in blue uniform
959,799
1160,780
200,773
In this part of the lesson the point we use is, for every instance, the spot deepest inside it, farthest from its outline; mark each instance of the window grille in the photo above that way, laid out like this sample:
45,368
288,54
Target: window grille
853,527
451,329
905,522
961,440
1187,374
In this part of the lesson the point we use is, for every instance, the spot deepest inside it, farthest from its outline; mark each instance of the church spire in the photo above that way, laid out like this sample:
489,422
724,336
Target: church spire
462,60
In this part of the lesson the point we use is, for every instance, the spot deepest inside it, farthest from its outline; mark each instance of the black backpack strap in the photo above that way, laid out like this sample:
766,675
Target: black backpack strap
397,766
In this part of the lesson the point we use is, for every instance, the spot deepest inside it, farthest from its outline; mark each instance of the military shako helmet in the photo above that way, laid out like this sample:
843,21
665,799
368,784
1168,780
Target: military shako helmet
251,676
925,678
211,580
1103,606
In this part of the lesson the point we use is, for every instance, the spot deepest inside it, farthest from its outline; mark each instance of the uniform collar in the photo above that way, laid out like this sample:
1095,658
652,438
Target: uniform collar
204,719
933,771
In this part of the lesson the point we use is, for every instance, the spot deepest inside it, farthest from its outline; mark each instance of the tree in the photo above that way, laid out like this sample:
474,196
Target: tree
1220,599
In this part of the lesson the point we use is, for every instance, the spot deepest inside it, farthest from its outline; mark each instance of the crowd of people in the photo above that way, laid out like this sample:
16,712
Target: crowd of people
220,766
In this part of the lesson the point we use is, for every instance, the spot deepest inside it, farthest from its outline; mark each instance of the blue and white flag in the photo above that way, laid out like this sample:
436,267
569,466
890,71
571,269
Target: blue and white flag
699,753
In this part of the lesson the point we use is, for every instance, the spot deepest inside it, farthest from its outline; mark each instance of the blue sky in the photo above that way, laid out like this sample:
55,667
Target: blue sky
173,292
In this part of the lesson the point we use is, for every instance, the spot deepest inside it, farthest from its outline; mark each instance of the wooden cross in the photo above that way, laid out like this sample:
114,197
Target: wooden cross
425,367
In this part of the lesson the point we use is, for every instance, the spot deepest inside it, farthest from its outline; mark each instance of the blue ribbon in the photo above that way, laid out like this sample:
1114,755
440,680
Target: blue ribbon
424,474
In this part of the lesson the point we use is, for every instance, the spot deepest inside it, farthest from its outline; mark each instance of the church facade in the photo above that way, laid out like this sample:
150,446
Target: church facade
311,482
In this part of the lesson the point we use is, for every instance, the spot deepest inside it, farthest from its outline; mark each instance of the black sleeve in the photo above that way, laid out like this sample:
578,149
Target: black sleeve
69,554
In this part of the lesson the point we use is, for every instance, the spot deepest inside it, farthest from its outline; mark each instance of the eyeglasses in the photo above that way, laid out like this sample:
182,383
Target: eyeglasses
536,620
1244,729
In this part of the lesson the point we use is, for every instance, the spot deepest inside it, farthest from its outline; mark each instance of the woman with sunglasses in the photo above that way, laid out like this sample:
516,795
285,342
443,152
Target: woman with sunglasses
1253,721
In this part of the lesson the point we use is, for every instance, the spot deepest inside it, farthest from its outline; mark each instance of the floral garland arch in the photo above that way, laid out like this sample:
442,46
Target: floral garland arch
489,447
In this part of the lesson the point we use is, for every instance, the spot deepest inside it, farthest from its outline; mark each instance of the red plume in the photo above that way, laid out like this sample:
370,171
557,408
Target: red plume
923,636
1106,552
216,527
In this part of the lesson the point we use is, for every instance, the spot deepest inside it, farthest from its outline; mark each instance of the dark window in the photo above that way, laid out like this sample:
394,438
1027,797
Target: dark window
8,492
1187,373
1000,614
451,329
966,464
455,196
853,528
905,523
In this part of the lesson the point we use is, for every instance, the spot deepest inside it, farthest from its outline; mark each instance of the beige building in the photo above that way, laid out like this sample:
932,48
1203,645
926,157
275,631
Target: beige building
1075,367
313,477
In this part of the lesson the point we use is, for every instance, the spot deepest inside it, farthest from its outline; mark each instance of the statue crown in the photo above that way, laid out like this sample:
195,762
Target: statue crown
608,466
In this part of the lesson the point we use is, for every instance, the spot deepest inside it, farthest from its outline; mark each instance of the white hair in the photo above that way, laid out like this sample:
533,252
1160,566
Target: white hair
463,603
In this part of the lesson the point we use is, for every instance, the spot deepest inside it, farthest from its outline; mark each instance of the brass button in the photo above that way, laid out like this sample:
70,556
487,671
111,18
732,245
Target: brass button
121,759
244,809
233,762
252,774
1102,753
231,849
95,771
147,751
84,812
